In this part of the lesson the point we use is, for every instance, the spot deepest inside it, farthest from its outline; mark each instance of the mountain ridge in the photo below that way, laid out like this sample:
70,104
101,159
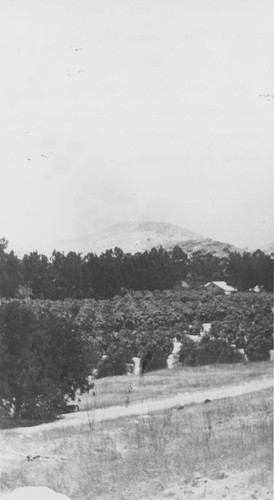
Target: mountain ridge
133,237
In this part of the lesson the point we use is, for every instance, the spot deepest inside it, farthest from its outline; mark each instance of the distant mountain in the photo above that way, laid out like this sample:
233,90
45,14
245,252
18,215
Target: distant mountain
141,236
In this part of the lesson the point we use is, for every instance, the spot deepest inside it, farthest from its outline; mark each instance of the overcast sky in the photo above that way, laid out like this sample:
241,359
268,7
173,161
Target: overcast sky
125,110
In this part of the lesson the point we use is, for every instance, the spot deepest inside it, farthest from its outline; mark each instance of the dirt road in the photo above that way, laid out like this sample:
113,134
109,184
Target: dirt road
146,407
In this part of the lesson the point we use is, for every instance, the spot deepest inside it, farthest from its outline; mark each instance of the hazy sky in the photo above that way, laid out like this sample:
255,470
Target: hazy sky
126,110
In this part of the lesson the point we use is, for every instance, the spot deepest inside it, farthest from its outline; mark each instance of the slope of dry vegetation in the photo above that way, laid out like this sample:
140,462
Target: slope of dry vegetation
211,451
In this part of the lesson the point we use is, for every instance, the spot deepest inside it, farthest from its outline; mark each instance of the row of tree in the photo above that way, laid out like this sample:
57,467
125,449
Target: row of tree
48,348
113,272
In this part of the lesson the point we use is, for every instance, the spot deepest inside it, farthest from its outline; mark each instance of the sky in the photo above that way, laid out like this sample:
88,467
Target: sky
136,110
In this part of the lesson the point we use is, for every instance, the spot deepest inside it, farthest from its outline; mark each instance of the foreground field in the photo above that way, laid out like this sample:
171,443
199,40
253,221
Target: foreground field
218,450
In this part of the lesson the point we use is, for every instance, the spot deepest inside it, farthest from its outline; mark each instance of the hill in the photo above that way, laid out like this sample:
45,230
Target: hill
268,249
139,237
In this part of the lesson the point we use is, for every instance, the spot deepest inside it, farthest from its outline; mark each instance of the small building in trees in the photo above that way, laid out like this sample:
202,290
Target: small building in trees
220,287
256,289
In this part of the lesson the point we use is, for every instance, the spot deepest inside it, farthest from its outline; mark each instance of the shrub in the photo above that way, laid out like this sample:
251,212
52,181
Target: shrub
43,361
260,338
158,360
208,351
188,353
117,355
257,349
215,351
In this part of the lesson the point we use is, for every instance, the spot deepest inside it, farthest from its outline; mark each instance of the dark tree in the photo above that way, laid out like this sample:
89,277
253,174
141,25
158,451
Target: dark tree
43,361
10,271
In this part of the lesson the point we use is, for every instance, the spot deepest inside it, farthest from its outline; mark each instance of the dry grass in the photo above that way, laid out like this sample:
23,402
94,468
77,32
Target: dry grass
139,457
160,384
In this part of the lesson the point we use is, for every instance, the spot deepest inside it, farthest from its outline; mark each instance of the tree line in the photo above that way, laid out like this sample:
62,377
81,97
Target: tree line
113,272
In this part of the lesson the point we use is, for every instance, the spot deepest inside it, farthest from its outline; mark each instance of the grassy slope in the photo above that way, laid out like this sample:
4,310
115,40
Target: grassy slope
160,384
226,444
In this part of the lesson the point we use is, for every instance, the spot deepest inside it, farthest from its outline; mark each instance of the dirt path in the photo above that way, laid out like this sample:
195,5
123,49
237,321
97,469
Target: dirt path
114,412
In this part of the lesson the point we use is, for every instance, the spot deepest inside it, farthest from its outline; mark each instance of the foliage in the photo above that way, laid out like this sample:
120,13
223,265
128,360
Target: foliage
153,358
56,344
10,271
188,353
216,351
260,340
247,270
43,361
117,355
113,272
207,352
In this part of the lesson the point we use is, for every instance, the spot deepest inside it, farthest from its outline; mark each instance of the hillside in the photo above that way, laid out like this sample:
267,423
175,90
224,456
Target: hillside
141,236
268,249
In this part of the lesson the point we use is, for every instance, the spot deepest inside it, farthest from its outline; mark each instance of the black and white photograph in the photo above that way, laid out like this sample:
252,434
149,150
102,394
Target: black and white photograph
136,249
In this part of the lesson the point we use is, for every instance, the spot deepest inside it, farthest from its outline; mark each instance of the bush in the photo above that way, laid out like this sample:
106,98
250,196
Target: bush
158,360
257,349
43,361
260,339
215,351
48,404
115,361
188,353
208,351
